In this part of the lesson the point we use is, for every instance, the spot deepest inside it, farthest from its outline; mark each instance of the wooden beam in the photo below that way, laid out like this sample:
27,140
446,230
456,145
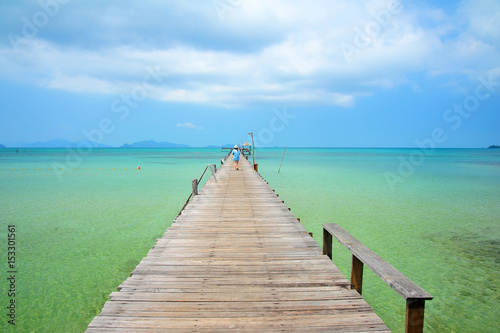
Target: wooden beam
414,295
357,274
390,275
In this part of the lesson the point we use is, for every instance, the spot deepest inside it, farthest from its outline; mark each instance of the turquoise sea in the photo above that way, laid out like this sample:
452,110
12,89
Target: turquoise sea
84,219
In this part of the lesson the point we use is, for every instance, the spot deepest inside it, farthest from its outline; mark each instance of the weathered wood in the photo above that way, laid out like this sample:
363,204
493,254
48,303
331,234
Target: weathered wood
327,243
415,309
357,275
390,275
236,260
213,169
194,184
414,295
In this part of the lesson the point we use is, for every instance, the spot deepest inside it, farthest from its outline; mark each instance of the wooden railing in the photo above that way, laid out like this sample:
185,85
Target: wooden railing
361,255
195,182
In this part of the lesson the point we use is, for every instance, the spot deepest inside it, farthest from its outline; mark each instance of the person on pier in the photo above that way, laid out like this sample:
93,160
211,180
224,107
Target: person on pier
236,157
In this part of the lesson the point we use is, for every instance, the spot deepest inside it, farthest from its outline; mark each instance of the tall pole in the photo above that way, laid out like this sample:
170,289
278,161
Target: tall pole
253,148
282,159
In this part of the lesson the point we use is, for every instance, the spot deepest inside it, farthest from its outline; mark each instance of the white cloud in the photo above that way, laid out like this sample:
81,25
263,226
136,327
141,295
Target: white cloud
82,84
482,18
189,125
265,51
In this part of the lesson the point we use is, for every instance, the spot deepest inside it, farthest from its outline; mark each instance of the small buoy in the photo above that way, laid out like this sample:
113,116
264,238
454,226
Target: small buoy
99,168
138,168
112,168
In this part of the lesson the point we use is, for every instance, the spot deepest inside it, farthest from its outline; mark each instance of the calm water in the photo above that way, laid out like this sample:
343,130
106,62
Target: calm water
83,222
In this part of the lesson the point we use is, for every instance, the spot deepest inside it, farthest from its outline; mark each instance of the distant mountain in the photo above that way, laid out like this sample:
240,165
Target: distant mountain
2,146
154,144
60,143
494,146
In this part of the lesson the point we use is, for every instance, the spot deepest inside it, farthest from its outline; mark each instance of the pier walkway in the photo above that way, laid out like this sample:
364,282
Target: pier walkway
236,259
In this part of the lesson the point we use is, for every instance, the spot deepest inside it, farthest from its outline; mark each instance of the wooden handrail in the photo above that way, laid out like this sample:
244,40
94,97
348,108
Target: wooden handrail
414,295
195,182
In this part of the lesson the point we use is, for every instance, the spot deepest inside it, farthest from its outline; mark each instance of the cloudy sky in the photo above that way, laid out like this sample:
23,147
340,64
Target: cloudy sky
336,73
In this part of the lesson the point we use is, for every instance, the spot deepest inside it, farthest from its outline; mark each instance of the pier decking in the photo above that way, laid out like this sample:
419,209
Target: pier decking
236,259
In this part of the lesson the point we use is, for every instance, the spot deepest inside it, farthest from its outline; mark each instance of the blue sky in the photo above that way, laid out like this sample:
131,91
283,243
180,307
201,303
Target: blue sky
333,73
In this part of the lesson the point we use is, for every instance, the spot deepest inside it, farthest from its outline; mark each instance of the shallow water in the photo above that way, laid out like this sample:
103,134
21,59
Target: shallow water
440,226
80,232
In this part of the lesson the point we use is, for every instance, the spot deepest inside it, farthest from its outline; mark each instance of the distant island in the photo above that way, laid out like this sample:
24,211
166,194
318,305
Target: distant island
154,144
494,146
60,143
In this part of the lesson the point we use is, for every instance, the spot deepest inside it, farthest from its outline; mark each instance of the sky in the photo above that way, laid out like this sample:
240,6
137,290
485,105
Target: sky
301,73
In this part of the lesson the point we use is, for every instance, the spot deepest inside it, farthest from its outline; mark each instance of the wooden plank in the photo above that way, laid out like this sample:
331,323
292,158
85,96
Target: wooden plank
244,308
347,323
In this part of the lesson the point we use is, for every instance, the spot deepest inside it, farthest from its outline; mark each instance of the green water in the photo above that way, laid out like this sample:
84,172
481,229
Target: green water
80,232
440,226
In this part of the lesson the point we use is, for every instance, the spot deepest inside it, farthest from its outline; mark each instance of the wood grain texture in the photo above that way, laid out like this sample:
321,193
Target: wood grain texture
236,259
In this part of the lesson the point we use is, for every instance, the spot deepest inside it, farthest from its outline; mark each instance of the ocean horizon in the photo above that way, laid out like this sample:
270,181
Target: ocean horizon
83,220
84,145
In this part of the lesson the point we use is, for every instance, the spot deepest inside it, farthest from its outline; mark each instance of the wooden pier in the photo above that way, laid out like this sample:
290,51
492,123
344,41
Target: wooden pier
236,259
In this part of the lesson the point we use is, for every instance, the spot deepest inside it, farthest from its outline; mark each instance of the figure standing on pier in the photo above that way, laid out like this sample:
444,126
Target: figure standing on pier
236,157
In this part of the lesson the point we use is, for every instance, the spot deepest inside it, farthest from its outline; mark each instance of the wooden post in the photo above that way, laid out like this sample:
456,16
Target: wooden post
195,187
357,274
327,243
414,315
256,167
213,169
